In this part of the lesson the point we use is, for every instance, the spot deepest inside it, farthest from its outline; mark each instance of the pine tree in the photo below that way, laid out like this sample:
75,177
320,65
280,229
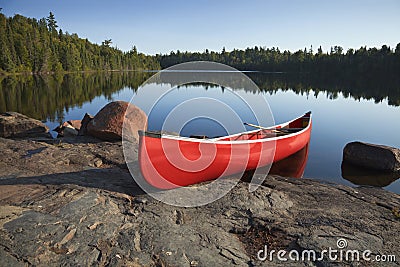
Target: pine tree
52,23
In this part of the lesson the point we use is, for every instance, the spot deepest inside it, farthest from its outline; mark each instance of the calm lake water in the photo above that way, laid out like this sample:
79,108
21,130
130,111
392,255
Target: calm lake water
341,112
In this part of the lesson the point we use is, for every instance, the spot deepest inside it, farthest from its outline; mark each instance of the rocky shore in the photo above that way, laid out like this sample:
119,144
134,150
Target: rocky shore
72,202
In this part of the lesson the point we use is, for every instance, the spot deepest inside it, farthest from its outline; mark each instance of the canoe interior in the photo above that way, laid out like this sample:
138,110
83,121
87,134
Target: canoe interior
294,126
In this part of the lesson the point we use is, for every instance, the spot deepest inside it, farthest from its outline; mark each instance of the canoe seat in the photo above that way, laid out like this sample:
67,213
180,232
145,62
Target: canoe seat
290,130
199,136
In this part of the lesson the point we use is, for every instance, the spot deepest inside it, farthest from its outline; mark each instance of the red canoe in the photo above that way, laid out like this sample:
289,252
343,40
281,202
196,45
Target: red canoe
168,161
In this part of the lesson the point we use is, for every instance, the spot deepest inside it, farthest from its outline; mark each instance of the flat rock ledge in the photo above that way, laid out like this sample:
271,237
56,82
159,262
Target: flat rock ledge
13,124
74,203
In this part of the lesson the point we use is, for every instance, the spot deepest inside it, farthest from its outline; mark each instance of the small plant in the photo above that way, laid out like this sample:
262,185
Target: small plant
59,143
396,212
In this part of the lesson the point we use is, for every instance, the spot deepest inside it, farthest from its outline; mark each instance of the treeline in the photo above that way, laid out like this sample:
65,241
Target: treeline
38,46
384,61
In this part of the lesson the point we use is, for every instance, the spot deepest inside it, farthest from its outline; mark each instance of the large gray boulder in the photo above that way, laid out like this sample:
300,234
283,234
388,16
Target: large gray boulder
13,124
109,121
372,156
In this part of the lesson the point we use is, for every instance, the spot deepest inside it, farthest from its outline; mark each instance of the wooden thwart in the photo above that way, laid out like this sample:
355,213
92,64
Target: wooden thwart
281,130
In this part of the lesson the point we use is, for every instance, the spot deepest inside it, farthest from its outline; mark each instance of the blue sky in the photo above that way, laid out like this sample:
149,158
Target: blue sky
158,26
